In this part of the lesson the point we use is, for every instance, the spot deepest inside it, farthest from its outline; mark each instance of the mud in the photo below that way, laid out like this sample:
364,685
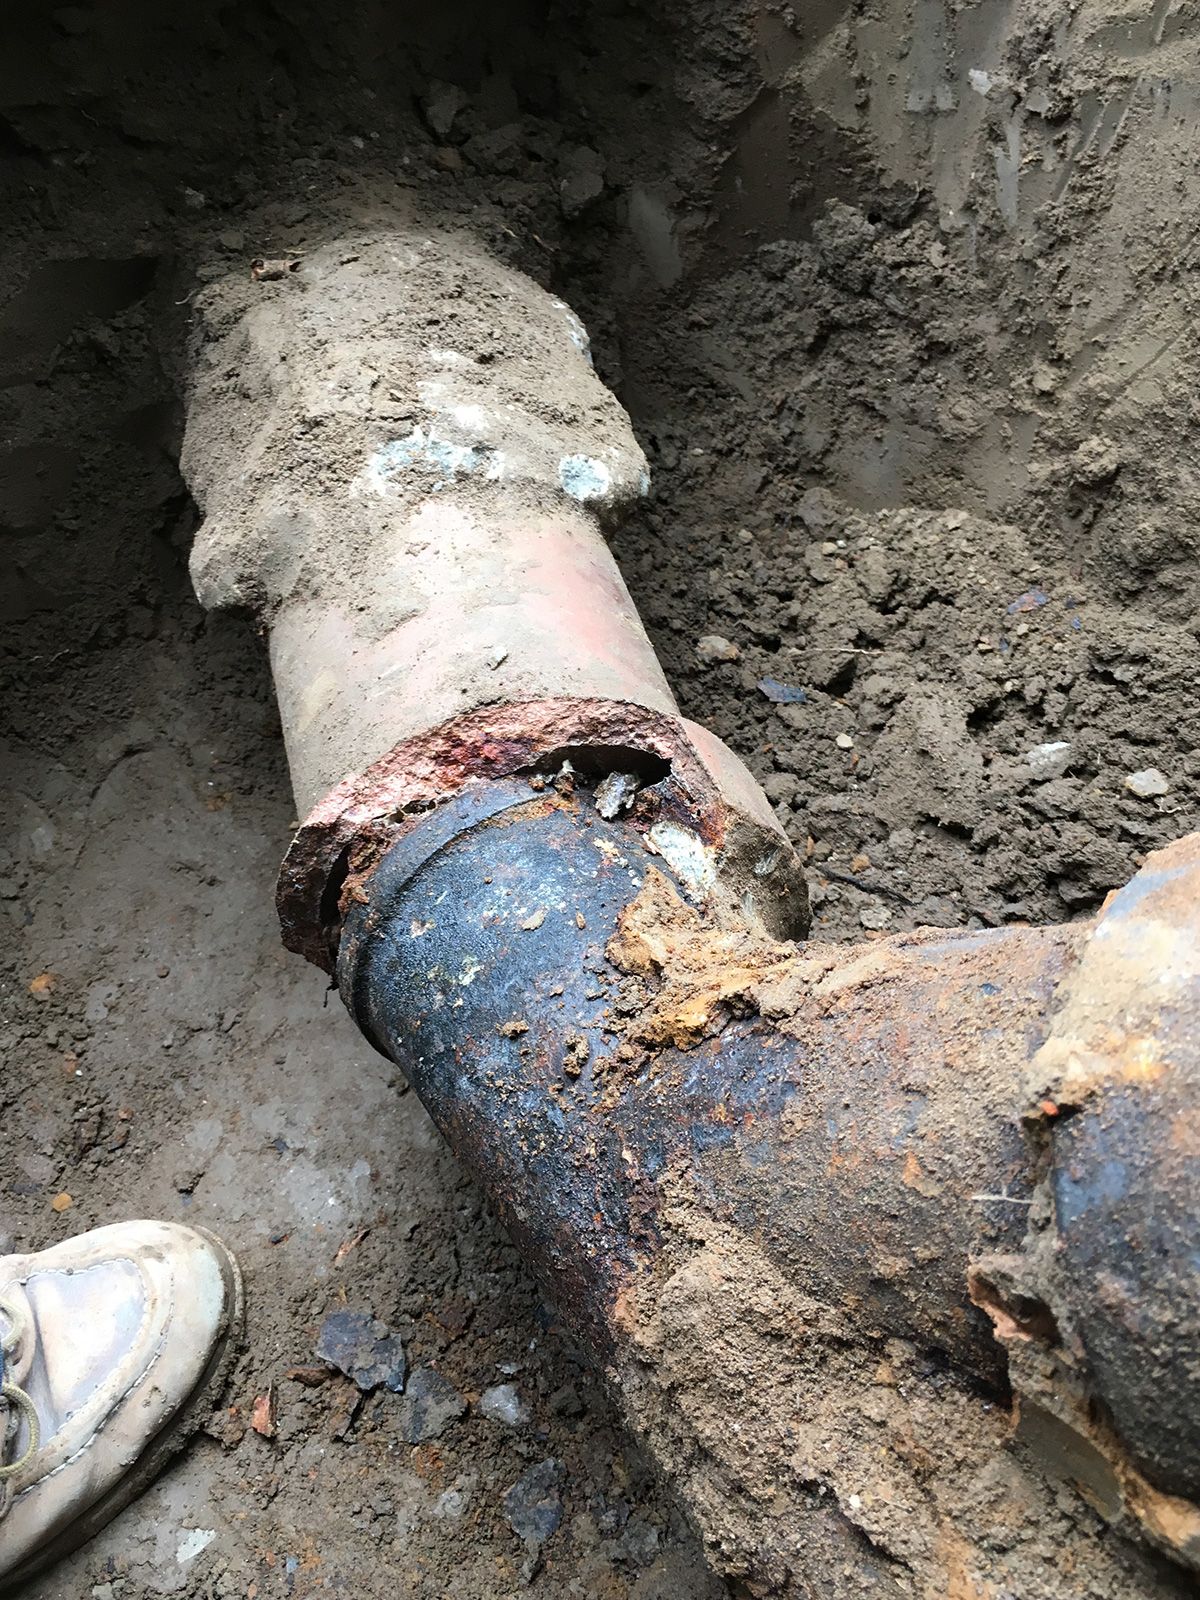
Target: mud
902,305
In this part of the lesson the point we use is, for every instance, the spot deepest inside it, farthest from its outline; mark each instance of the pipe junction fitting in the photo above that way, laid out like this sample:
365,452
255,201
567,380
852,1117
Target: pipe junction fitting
814,1208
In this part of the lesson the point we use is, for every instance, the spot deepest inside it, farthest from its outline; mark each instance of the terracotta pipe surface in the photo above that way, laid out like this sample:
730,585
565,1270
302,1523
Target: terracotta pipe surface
402,455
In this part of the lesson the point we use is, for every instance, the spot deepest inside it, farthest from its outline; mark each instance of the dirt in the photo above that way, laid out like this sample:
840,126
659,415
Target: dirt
902,308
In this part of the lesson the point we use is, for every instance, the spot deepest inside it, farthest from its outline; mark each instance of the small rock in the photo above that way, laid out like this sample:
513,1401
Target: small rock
429,1406
875,917
1047,761
365,1349
442,105
310,1377
638,1544
578,191
273,269
502,1403
582,182
781,788
781,694
1031,600
534,1505
496,149
713,648
232,239
844,742
567,1402
262,1415
1148,784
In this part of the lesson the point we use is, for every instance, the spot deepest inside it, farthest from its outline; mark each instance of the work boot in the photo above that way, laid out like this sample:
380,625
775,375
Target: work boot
115,1346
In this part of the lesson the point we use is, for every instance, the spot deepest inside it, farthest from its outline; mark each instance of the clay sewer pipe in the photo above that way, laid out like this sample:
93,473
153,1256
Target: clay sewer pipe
571,917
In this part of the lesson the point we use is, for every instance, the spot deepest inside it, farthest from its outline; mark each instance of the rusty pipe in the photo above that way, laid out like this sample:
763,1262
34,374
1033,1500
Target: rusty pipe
569,915
629,1073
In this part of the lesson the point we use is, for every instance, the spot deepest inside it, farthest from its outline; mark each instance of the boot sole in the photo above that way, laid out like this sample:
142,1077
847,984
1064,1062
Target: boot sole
166,1443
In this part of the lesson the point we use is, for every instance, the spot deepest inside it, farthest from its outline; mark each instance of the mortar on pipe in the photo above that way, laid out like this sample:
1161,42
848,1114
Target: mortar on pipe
568,913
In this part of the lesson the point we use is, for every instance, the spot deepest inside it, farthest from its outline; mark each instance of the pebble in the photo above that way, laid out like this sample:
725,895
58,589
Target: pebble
364,1348
713,648
534,1505
1148,784
429,1406
874,917
502,1403
1047,761
844,742
442,106
781,694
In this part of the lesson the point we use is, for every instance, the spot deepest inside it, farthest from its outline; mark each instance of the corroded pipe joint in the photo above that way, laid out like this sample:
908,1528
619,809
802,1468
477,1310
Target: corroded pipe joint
1100,1312
697,807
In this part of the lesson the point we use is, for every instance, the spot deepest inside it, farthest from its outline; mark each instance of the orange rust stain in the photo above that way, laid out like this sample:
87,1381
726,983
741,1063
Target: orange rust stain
956,1555
625,1311
699,964
915,1177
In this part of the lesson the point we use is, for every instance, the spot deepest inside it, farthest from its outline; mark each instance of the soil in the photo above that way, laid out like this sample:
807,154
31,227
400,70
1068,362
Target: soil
902,310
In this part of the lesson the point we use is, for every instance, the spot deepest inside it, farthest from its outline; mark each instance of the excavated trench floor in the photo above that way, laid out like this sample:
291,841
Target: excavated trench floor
902,310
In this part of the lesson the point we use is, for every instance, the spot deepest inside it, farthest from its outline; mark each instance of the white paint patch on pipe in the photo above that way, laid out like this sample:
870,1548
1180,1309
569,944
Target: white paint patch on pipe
584,478
423,449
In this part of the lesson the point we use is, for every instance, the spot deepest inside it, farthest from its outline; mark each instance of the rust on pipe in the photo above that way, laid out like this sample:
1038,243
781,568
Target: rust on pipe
907,1226
642,1083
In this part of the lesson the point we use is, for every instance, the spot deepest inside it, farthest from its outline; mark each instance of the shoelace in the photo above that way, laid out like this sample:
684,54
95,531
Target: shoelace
16,1400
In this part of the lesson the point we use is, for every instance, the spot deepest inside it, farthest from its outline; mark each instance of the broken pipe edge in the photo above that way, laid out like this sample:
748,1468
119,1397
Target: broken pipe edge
748,862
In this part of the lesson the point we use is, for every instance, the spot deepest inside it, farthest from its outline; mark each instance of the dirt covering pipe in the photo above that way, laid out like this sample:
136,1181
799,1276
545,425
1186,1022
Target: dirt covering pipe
912,1224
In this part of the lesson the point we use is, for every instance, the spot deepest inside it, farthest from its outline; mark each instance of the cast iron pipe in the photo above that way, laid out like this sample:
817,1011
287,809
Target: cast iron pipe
569,915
